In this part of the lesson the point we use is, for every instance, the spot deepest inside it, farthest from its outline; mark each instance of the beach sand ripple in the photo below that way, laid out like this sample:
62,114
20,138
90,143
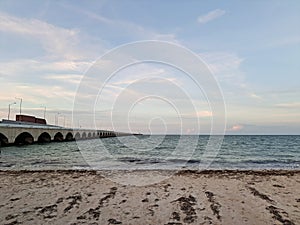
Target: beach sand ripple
188,197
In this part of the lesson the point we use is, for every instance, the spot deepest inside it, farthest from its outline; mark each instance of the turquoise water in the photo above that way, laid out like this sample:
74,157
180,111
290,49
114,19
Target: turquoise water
158,152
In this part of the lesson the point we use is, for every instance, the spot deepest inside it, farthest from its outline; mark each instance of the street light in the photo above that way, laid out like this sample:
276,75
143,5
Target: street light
64,120
44,111
61,115
9,109
21,100
56,118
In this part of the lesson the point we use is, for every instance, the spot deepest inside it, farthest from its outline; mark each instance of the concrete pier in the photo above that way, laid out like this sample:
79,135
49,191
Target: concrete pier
19,134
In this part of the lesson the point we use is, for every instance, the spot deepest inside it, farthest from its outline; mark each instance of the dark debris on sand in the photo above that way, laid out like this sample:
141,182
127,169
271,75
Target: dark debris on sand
48,212
186,206
114,221
215,206
75,199
277,215
94,213
261,195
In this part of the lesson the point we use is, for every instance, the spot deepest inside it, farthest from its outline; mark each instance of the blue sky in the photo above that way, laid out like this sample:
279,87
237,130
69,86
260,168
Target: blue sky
252,48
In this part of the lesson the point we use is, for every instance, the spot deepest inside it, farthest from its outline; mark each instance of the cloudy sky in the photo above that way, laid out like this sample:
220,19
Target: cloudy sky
252,48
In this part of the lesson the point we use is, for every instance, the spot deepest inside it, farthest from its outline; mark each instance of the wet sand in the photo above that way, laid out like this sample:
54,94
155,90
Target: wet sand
188,197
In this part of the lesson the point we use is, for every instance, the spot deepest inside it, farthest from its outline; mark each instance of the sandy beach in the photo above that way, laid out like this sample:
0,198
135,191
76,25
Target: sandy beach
188,197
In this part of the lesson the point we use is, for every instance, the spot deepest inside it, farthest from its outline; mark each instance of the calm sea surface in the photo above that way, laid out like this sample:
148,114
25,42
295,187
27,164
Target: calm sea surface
158,152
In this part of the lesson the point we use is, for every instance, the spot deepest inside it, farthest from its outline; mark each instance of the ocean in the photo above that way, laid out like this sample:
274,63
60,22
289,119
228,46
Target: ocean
241,152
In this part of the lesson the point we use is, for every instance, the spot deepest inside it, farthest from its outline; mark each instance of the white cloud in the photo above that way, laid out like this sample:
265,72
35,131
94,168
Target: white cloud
236,128
35,92
57,41
69,78
289,40
35,95
204,114
132,75
226,66
255,96
289,105
212,15
127,28
21,66
222,62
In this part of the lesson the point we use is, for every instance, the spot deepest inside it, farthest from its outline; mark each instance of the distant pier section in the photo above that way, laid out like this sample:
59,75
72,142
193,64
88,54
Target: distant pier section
29,129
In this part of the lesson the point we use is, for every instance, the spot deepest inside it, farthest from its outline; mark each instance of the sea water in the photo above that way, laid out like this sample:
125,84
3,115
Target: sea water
158,152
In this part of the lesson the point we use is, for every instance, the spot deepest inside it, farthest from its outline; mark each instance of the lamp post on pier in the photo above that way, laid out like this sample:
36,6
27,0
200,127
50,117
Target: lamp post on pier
64,120
21,100
9,109
56,118
44,111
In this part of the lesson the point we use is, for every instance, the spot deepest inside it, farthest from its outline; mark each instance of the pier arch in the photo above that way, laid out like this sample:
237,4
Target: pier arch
83,135
69,137
24,138
58,136
44,138
77,136
3,140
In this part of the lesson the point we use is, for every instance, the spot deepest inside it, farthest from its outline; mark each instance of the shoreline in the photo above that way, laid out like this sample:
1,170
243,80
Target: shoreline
181,197
279,171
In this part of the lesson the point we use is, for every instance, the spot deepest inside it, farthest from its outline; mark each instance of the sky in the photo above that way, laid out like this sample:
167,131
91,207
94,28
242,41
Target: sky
251,48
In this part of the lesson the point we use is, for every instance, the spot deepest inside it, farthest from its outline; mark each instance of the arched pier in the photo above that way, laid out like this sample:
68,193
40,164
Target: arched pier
29,134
